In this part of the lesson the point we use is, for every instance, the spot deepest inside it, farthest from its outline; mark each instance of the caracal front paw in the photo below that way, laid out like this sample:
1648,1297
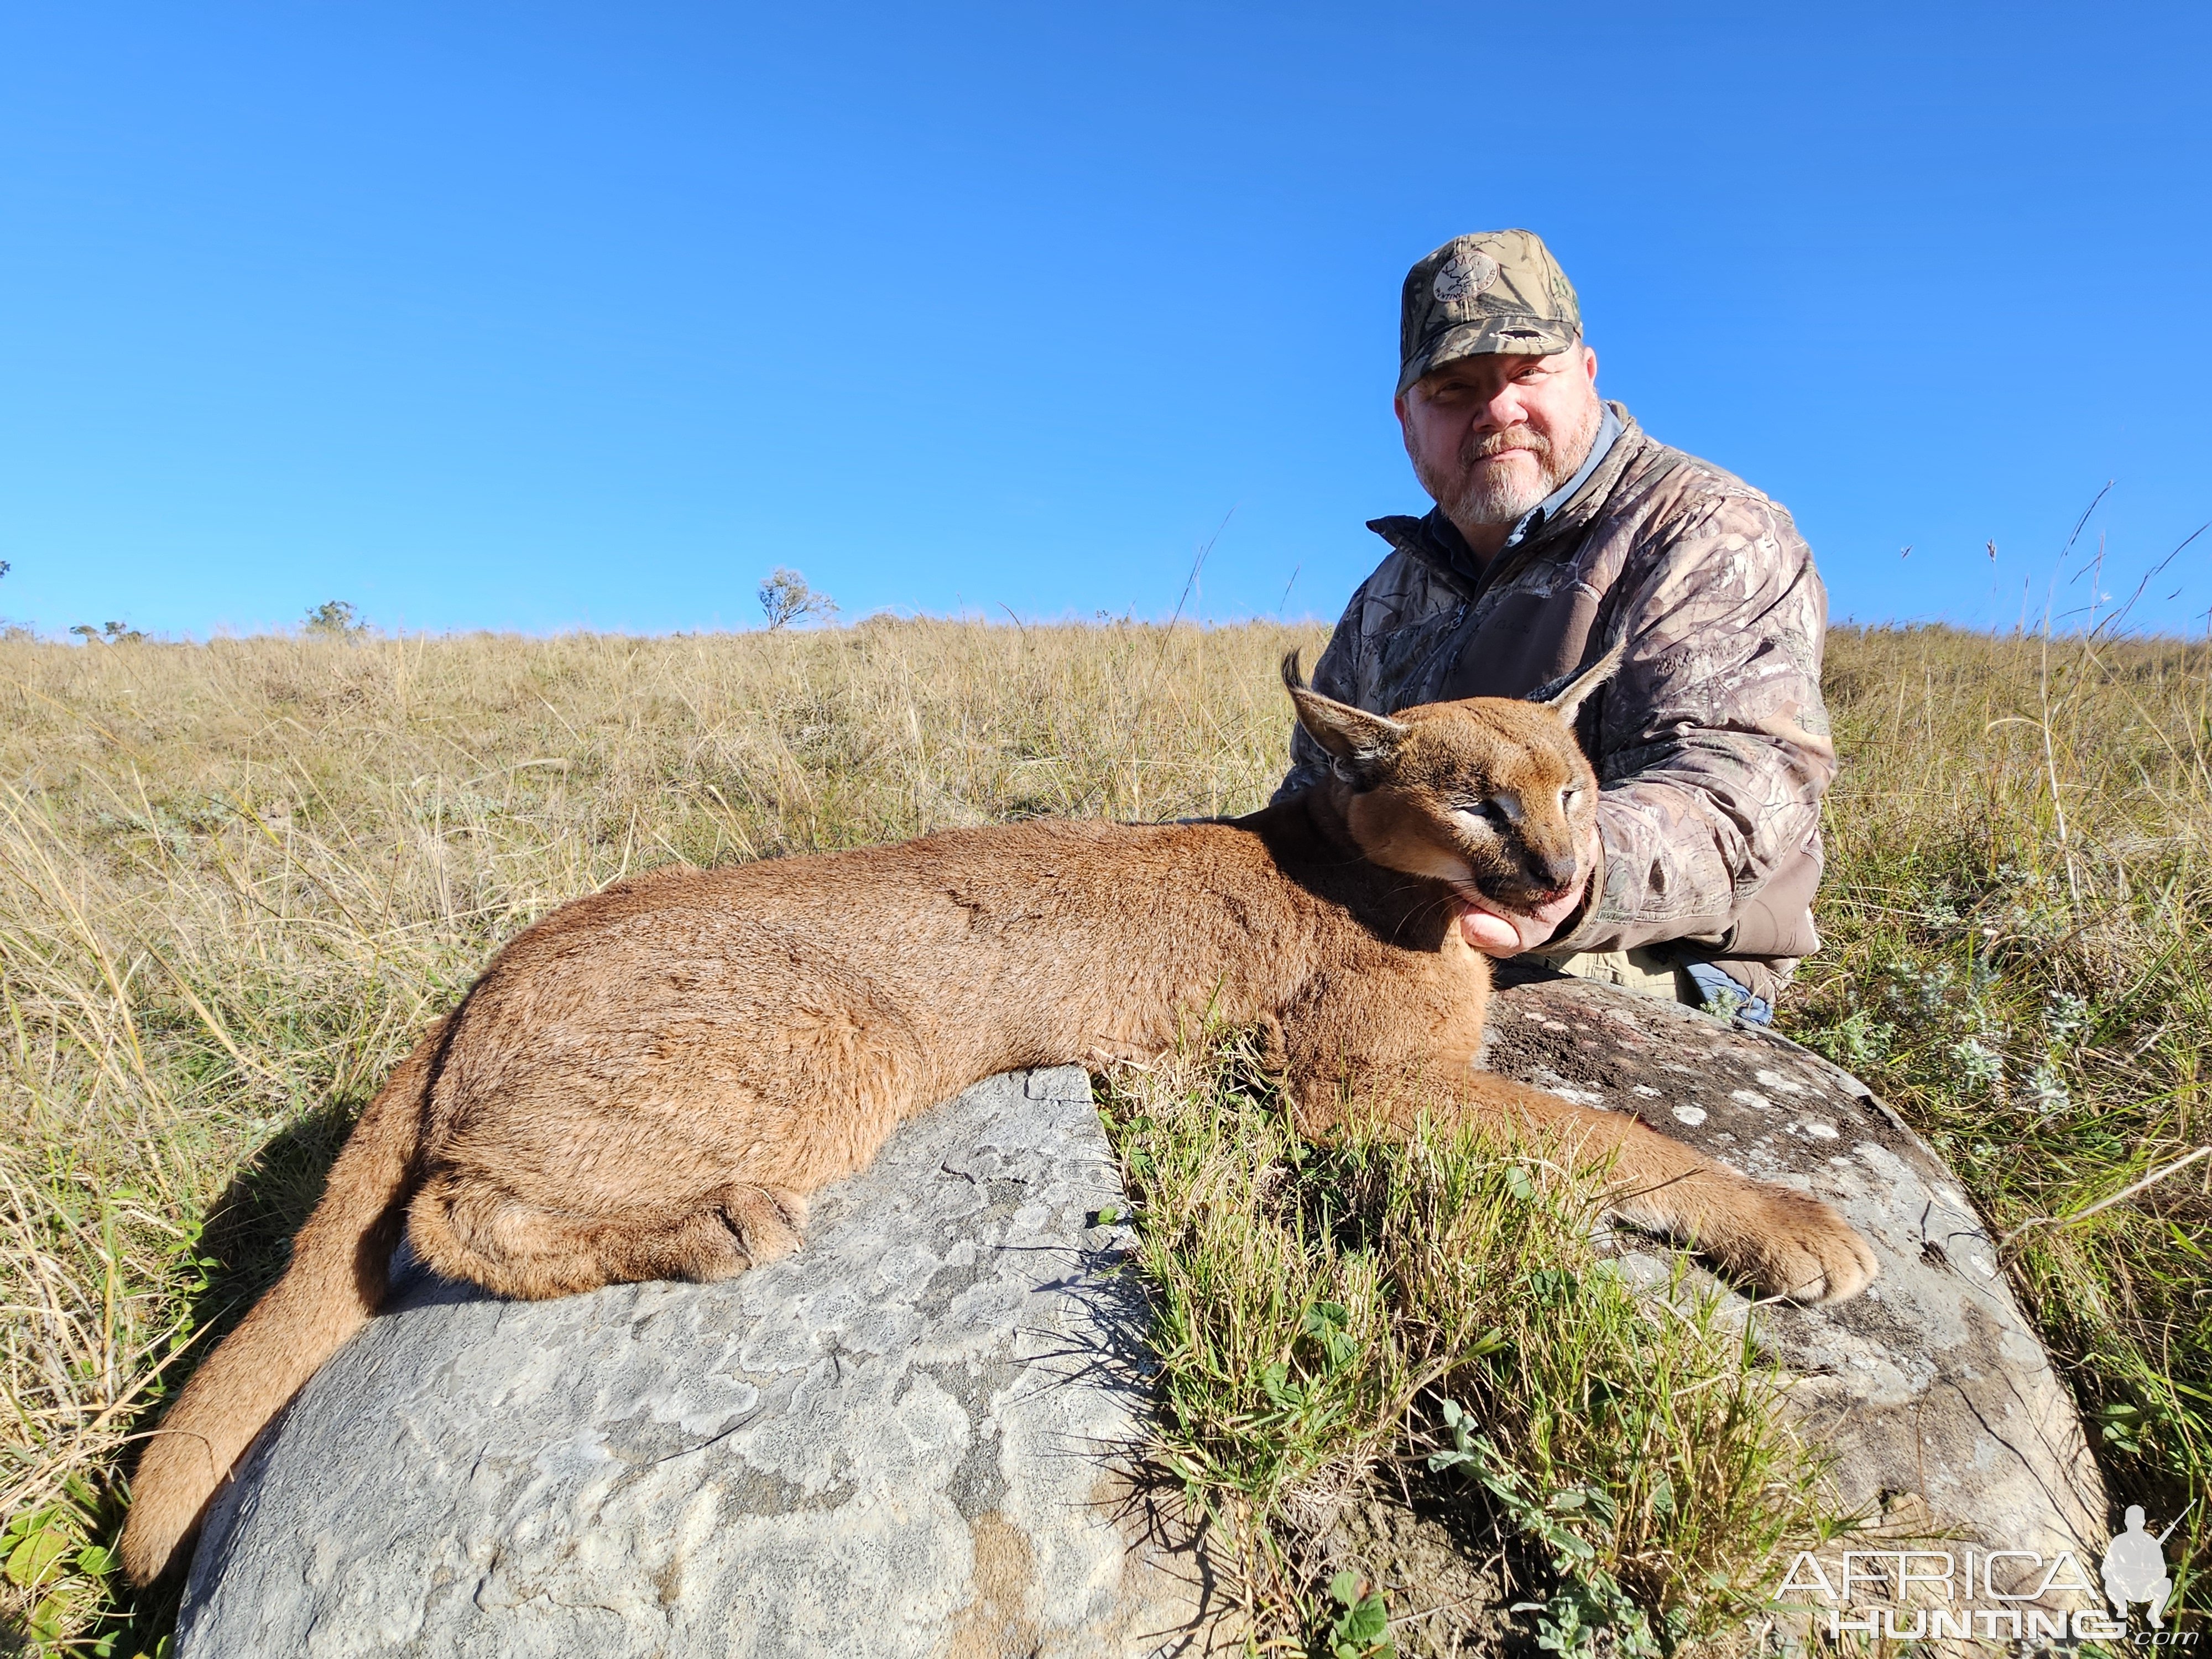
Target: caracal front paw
1790,1244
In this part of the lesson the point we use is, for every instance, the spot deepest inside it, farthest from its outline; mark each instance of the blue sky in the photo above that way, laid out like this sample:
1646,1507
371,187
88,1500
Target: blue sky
537,316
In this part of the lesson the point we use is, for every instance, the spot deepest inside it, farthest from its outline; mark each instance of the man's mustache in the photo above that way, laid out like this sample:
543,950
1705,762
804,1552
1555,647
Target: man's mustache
1513,437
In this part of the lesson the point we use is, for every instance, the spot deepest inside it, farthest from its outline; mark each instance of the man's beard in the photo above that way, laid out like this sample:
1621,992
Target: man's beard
1474,494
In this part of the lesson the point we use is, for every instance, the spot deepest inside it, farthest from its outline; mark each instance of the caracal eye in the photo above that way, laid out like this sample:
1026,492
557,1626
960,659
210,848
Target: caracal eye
1480,814
1496,812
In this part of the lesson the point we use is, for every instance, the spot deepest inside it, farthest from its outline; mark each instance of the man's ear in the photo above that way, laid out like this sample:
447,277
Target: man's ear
1358,740
1570,698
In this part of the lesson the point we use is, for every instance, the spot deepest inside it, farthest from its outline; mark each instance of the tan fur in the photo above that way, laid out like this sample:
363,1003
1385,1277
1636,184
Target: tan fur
649,1082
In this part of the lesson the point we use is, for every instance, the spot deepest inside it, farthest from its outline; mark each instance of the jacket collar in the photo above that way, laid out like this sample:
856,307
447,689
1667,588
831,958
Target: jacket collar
1609,428
1433,539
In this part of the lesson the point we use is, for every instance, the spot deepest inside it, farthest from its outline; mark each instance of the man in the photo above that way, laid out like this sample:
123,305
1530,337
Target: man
1560,527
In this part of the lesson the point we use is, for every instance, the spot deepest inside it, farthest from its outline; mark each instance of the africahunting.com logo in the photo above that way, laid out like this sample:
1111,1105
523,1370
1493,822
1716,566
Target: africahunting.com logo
2004,1595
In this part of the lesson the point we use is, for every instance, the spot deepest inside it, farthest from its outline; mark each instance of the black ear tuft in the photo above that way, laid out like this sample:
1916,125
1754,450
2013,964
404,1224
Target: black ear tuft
1571,697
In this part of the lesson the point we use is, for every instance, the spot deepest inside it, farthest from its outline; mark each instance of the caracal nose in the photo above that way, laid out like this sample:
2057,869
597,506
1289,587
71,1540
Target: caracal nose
1554,870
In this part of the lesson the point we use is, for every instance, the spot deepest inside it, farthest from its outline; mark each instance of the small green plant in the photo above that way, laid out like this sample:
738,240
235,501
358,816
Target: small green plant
1361,1628
1589,1600
2120,1426
59,1573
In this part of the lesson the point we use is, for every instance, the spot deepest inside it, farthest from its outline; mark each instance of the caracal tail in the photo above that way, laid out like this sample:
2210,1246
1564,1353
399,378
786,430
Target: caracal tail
335,1284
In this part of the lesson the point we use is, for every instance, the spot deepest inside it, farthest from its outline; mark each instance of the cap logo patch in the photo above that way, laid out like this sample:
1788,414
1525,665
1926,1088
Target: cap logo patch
1466,273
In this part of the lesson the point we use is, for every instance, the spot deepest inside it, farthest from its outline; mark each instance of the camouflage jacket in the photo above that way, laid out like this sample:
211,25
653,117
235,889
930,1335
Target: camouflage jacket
1711,744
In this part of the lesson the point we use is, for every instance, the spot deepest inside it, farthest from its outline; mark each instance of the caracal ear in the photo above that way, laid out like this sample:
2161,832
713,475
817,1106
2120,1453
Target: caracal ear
1358,740
1576,691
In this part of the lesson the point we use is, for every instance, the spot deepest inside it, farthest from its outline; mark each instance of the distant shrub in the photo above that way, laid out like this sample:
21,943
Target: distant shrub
337,619
785,597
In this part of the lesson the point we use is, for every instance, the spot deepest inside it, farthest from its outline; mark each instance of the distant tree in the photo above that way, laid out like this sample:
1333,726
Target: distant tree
785,597
113,633
337,619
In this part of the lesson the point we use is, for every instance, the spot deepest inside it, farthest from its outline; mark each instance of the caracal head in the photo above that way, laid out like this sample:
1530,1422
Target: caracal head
1491,795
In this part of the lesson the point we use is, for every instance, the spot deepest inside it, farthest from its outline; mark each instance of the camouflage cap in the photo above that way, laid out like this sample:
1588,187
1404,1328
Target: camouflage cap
1496,290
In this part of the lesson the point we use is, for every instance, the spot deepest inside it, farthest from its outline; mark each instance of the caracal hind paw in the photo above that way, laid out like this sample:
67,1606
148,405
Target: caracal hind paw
767,1223
1797,1247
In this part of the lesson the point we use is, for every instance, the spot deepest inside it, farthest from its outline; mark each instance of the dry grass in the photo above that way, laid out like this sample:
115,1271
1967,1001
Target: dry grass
234,877
2019,916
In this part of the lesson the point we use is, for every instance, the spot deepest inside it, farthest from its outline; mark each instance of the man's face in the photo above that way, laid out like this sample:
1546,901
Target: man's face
1492,436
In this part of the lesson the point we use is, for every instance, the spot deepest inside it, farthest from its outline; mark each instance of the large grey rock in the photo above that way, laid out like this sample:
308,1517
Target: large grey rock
1932,1390
900,1441
904,1440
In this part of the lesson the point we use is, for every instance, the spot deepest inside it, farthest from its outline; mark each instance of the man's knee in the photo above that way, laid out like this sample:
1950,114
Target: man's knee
1640,970
1740,989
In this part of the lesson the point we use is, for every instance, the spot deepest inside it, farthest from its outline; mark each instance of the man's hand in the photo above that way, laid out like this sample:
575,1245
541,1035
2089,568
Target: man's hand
1497,932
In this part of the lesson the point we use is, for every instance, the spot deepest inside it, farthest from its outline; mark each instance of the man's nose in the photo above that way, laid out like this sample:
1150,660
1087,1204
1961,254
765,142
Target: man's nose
1504,408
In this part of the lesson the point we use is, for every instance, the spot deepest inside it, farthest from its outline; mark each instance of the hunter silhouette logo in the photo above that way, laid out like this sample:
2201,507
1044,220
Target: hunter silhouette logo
2135,1567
